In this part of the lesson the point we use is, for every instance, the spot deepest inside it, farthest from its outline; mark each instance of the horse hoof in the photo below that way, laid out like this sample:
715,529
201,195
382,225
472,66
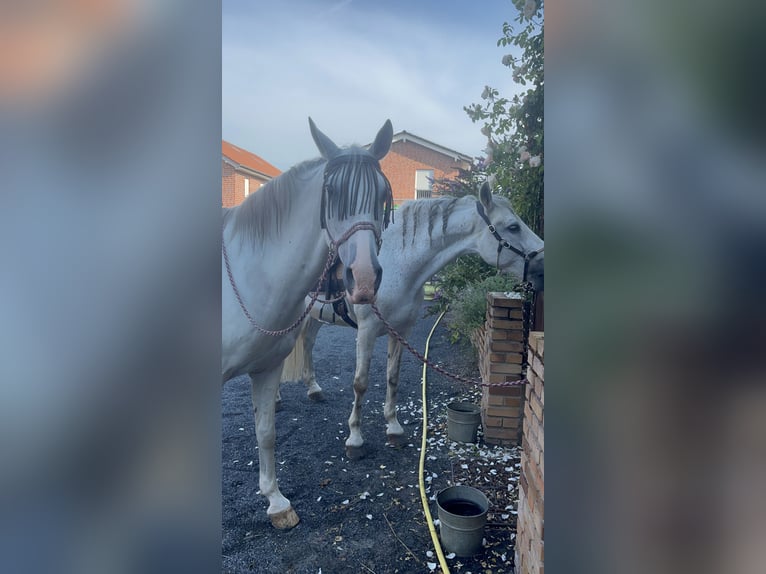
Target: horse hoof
355,452
284,520
395,440
317,397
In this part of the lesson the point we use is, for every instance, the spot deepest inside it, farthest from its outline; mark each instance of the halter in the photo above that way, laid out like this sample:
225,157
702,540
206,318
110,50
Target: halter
338,162
313,296
502,243
335,166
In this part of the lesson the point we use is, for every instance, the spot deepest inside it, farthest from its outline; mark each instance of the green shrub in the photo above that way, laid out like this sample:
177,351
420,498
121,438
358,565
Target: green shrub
469,308
451,281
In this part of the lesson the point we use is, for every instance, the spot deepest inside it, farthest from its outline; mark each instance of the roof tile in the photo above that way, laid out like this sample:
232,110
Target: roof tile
248,159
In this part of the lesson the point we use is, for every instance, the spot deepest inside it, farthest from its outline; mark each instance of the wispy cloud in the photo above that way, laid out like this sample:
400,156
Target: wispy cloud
351,69
338,5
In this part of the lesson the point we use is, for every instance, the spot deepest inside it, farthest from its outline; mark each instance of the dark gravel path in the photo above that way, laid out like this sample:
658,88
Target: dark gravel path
364,515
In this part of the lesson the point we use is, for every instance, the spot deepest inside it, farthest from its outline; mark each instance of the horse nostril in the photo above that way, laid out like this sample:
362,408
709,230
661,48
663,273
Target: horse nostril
378,276
349,279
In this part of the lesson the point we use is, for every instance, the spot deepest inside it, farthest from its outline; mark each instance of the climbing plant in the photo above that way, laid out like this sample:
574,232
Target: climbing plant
514,125
515,161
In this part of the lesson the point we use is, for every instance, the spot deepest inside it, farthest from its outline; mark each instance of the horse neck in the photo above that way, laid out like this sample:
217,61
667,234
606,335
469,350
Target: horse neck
300,236
424,253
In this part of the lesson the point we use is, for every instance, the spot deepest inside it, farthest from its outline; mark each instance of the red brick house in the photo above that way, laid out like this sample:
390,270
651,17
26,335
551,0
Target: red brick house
414,162
243,173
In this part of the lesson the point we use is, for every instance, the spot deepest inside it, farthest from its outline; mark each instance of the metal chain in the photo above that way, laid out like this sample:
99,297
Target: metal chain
393,332
333,300
528,322
314,296
279,332
341,294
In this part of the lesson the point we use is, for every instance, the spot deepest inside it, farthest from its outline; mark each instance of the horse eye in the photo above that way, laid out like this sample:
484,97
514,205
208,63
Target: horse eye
514,228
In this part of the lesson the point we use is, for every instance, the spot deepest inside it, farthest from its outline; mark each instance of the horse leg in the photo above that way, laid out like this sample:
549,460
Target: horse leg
364,346
309,336
264,389
394,430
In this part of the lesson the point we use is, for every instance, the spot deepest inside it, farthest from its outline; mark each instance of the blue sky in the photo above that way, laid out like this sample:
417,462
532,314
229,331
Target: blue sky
352,64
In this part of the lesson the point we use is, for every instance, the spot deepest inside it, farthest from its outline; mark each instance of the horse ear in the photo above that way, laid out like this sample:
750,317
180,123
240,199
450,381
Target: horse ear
382,143
326,146
485,195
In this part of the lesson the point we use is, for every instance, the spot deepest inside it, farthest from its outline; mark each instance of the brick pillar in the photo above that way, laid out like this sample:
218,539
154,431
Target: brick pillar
530,526
500,346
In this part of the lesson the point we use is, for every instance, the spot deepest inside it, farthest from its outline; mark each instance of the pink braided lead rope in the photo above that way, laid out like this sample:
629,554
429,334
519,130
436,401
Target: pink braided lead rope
436,367
314,296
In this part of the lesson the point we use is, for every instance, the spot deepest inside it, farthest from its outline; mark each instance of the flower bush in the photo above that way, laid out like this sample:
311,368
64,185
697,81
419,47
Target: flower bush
515,162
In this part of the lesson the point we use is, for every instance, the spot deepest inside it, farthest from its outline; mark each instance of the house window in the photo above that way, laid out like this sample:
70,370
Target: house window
247,187
424,178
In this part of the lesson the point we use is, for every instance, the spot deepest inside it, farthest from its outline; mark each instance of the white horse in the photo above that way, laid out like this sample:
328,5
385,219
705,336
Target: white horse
427,235
275,246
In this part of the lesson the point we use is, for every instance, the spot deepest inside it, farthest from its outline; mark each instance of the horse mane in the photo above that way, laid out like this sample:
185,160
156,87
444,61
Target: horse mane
433,209
262,213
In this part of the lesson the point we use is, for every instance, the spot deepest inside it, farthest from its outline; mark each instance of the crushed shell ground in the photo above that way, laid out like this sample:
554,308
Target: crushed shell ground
363,515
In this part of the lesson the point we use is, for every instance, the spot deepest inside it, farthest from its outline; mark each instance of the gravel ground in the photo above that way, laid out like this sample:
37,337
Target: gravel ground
363,515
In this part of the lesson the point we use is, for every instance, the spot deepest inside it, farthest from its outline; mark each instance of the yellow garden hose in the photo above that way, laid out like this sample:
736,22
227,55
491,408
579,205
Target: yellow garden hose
421,468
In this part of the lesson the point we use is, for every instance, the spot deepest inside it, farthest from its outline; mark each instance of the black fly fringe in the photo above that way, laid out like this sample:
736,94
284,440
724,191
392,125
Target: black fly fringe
351,188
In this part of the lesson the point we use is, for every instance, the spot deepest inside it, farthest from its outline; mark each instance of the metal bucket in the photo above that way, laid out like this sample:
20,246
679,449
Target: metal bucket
462,515
463,421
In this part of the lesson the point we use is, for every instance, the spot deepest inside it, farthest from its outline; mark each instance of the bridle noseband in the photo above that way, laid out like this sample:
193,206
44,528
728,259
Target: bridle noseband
502,243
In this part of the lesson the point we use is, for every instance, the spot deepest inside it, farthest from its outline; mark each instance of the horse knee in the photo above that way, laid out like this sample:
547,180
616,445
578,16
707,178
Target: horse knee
360,385
266,439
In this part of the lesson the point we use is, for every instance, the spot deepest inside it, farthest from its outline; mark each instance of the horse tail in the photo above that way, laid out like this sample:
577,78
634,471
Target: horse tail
293,366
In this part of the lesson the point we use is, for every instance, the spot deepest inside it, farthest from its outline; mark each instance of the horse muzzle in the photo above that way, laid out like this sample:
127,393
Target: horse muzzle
362,284
363,274
536,272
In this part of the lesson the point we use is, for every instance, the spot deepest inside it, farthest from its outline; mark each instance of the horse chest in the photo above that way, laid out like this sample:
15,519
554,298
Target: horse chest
256,354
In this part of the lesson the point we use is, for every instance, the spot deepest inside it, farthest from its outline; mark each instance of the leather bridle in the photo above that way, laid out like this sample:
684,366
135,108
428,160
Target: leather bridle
503,244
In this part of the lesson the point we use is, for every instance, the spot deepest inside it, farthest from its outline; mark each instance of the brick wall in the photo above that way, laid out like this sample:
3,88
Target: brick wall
228,194
405,158
530,526
500,347
233,185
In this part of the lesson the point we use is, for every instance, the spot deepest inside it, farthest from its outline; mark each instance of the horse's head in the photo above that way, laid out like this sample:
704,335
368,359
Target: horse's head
356,207
507,241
